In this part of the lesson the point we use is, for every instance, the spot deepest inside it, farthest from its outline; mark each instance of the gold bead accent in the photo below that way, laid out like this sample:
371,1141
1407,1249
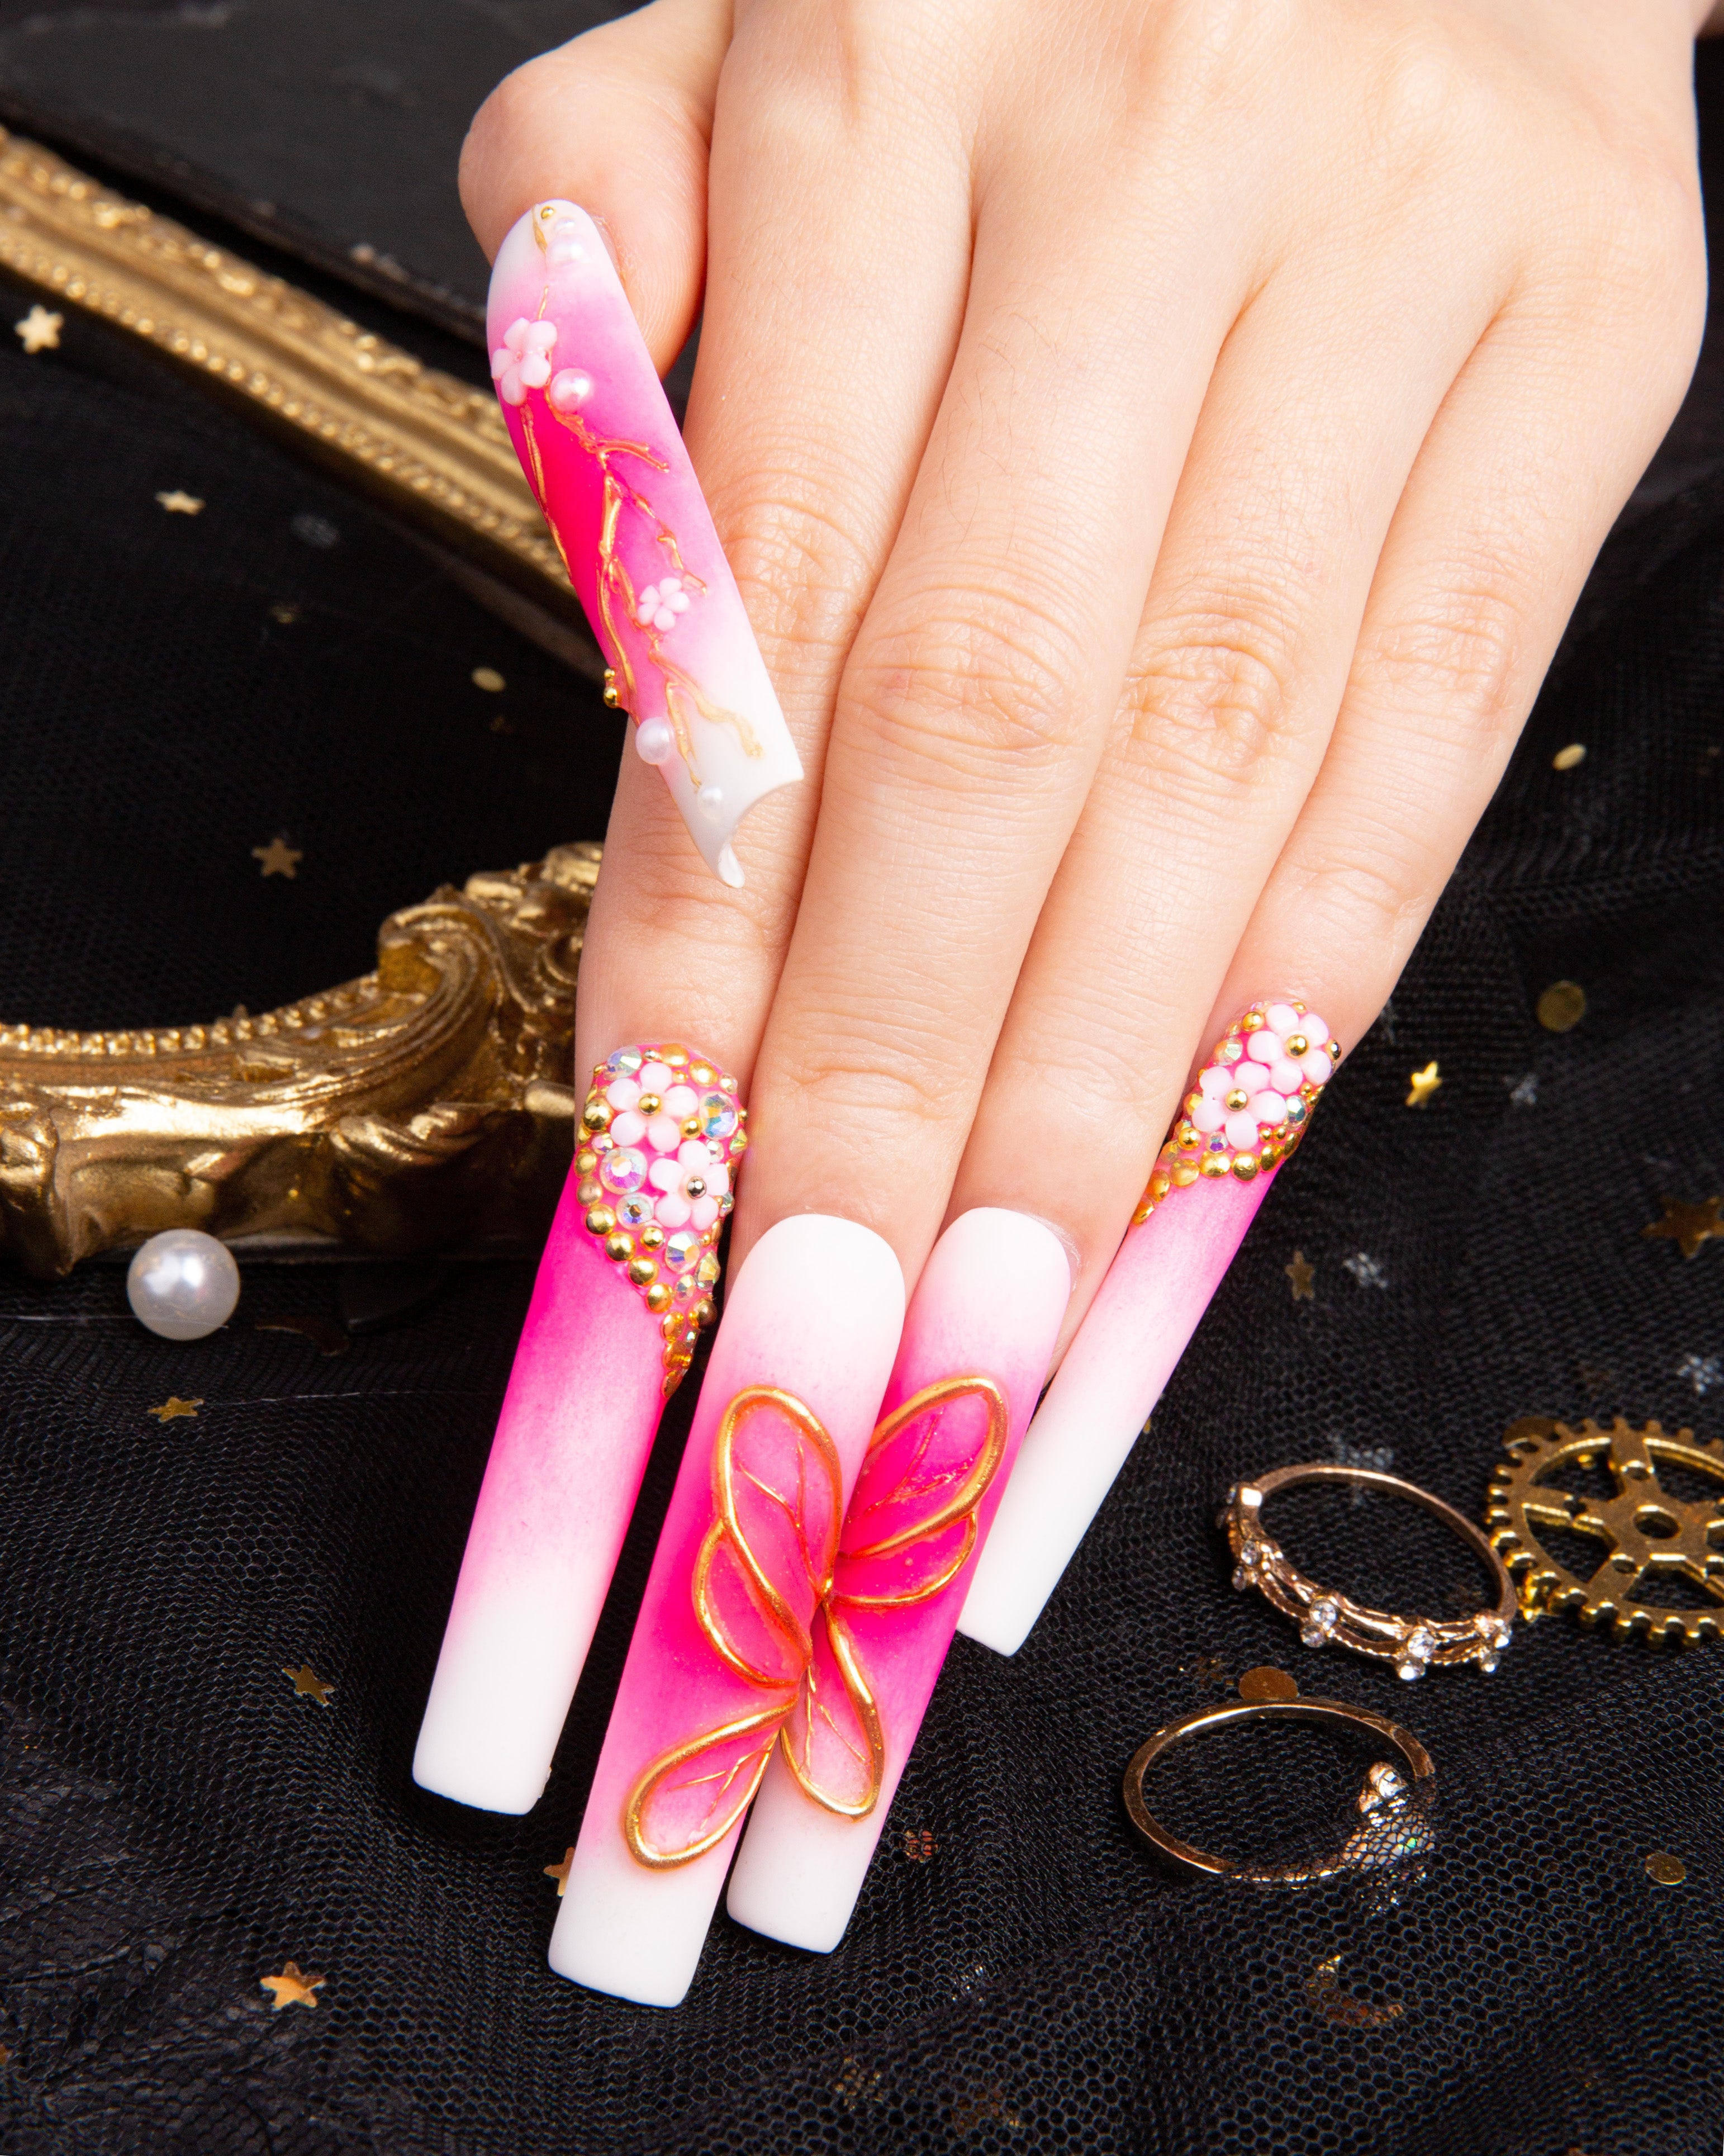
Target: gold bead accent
1187,1134
642,1271
591,1192
653,1238
649,1104
1297,1044
1214,1163
658,1296
1245,1166
620,1246
703,1312
1252,1022
1238,1097
703,1073
612,698
1184,1176
672,1326
586,1161
601,1220
1332,1051
696,1187
596,1115
691,1127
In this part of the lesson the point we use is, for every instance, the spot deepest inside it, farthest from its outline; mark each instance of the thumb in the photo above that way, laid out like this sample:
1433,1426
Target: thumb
618,120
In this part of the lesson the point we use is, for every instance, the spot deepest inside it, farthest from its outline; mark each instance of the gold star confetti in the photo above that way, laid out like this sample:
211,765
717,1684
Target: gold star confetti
1665,1870
173,1407
178,503
488,679
294,1987
1561,1007
1690,1225
1424,1083
1301,1274
39,331
308,1684
560,1872
278,858
1567,759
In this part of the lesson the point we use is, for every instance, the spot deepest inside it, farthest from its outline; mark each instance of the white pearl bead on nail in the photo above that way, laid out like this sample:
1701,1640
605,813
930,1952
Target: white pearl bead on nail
654,741
182,1284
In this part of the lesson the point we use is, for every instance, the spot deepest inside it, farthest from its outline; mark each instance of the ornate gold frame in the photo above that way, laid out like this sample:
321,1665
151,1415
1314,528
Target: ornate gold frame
427,1104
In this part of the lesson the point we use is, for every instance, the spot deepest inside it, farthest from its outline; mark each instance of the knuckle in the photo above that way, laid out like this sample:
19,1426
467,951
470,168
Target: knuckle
990,688
1460,654
803,574
866,1072
1213,683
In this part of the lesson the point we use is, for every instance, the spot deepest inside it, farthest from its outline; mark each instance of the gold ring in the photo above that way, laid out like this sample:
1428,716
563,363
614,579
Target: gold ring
1412,1644
1401,1831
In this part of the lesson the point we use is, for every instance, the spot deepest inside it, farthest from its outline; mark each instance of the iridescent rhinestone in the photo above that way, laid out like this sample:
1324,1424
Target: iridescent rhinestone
686,1288
1415,1655
635,1211
624,1063
624,1169
707,1272
1296,1109
681,1249
717,1115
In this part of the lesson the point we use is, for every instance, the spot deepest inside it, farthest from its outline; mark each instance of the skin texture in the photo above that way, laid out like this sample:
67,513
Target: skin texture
1159,443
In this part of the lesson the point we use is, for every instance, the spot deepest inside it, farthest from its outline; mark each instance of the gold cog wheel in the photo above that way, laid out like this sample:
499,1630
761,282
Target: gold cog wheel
1648,1534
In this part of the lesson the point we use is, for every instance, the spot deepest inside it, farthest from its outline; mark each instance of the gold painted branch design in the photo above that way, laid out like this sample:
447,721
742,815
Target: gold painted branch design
779,1573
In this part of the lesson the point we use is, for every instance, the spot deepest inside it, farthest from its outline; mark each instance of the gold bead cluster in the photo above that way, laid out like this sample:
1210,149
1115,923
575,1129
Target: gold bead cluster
1188,1155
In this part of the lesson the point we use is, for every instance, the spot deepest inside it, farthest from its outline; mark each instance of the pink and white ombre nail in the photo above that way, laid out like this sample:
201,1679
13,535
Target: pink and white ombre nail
977,1344
731,1651
604,457
1251,1105
625,1287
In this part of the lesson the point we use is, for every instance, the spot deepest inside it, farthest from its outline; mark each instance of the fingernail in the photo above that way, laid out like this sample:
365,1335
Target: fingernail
727,1636
976,1342
1250,1106
623,1288
605,459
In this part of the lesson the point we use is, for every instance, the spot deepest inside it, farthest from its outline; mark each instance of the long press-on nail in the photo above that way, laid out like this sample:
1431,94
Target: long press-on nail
625,1286
1250,1106
976,1342
728,1650
602,453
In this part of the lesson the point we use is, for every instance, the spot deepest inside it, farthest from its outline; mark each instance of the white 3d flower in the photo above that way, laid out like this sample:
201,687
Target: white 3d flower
659,604
523,360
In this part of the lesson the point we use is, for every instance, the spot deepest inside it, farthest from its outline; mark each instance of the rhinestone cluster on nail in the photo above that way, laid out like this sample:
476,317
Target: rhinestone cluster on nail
1252,1102
662,1136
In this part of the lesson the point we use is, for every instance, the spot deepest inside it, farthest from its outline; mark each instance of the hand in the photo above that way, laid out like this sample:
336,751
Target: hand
1159,444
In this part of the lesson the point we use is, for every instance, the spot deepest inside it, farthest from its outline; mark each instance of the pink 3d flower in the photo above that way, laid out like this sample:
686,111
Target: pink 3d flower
523,360
659,604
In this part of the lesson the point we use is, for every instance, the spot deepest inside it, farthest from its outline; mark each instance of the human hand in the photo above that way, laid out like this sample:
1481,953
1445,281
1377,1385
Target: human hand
1159,446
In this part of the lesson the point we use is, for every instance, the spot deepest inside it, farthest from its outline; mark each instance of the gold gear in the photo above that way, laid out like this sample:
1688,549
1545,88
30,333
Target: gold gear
1647,1531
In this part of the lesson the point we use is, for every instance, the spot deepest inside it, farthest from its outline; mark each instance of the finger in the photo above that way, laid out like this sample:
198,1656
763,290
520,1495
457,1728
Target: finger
618,120
974,707
1535,451
812,402
1237,671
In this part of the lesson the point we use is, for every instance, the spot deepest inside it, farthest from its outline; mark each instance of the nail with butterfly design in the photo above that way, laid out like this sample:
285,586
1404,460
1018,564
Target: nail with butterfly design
602,453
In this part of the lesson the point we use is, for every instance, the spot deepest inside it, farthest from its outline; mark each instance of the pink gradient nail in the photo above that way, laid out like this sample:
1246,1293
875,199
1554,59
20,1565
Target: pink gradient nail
728,1641
975,1347
1247,1109
616,1311
602,451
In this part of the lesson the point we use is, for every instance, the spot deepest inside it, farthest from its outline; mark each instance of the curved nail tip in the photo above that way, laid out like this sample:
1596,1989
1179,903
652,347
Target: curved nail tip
607,463
1253,1101
729,868
663,1133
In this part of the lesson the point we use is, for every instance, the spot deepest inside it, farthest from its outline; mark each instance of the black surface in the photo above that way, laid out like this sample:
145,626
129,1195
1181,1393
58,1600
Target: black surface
175,1823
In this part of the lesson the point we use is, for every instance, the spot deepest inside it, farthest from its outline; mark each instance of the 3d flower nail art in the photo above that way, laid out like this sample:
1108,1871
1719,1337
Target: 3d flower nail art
606,461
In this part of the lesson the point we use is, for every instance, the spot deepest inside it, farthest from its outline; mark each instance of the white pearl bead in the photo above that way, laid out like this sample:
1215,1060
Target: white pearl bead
655,741
710,799
183,1285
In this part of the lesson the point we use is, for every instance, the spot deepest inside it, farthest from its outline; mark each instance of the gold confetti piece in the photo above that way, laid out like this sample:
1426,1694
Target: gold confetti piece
560,1872
1424,1083
488,679
39,331
308,1684
502,725
178,503
1268,1682
173,1407
1566,759
1560,1007
284,611
294,1987
919,1844
1322,1988
1690,1225
1667,1870
1301,1274
278,858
